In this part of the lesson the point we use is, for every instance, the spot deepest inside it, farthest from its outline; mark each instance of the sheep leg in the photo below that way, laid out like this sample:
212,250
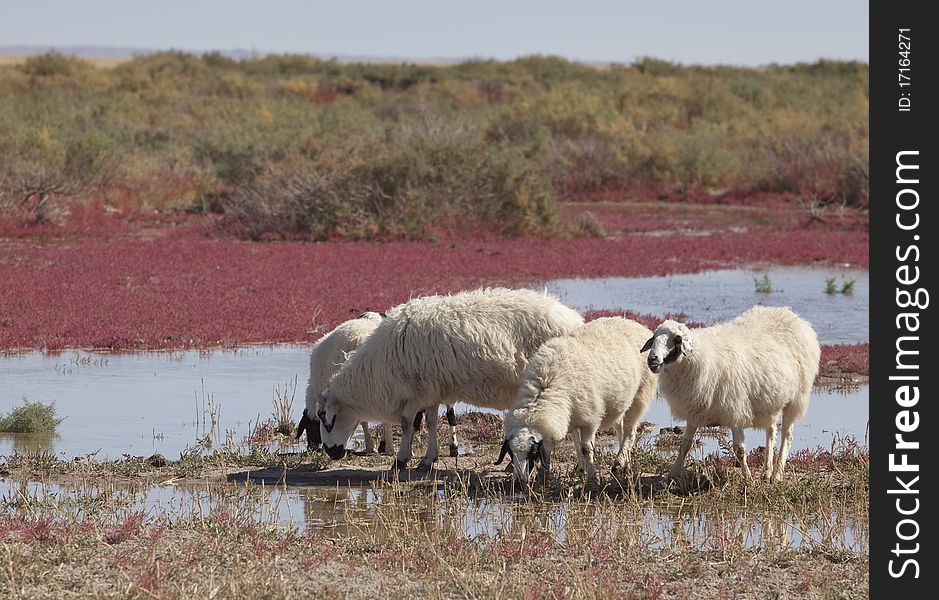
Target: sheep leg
621,459
369,442
627,436
686,441
627,433
740,450
451,422
581,463
785,444
588,439
387,445
770,451
430,457
407,438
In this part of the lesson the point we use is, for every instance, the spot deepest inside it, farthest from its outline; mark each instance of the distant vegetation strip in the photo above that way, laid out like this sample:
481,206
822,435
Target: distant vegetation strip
301,147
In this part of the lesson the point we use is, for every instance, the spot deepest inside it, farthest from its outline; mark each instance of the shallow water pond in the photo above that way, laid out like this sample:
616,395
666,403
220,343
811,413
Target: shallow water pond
710,296
367,512
143,403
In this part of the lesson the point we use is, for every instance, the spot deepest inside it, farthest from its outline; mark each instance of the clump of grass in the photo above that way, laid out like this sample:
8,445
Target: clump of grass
31,417
847,286
588,225
763,285
283,407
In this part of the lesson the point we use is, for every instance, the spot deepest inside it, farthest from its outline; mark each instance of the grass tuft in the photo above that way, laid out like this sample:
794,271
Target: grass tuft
31,417
763,285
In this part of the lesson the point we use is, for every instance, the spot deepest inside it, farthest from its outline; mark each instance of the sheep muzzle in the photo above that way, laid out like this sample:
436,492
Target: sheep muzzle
336,452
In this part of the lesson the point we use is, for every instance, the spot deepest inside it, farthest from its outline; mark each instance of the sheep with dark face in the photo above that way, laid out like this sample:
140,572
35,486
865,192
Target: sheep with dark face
327,355
747,372
581,382
470,347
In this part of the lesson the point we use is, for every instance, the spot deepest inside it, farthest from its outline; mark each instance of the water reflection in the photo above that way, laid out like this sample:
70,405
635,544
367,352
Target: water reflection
378,513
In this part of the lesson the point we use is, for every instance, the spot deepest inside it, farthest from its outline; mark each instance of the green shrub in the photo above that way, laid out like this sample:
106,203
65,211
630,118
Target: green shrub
53,64
401,149
31,417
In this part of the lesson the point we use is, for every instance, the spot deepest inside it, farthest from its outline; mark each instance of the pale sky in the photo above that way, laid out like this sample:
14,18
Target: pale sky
740,32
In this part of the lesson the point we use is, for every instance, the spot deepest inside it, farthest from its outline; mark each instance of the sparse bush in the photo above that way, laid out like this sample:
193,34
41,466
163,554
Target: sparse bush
30,417
415,185
587,224
830,288
53,64
402,149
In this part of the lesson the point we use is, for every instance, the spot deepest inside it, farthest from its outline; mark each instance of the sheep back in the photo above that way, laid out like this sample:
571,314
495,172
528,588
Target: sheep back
470,347
588,378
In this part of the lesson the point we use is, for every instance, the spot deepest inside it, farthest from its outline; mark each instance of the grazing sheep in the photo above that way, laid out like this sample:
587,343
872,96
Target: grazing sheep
470,347
581,382
328,354
743,373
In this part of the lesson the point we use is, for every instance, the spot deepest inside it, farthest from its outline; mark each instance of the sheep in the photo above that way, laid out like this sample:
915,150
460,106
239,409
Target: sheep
581,382
327,356
743,373
470,347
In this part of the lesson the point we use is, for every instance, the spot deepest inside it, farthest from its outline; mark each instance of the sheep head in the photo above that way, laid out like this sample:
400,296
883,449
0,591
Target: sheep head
669,344
526,447
337,424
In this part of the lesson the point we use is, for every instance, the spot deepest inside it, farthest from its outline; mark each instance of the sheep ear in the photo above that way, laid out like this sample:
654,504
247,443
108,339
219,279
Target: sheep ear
383,315
648,345
545,456
502,452
685,344
303,424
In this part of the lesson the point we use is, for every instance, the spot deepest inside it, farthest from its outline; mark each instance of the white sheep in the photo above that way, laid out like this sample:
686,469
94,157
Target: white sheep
470,347
327,355
581,382
743,373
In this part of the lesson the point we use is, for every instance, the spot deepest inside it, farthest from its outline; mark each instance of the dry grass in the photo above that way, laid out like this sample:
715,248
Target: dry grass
460,531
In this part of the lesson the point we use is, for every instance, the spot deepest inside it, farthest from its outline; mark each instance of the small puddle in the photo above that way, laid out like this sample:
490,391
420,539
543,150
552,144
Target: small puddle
357,511
712,296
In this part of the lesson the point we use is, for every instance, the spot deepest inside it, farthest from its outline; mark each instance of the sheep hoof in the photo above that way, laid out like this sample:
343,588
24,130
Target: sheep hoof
454,450
382,449
400,465
620,469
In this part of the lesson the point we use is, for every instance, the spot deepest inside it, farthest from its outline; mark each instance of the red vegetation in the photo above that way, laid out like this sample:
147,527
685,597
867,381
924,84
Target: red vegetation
136,280
846,358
